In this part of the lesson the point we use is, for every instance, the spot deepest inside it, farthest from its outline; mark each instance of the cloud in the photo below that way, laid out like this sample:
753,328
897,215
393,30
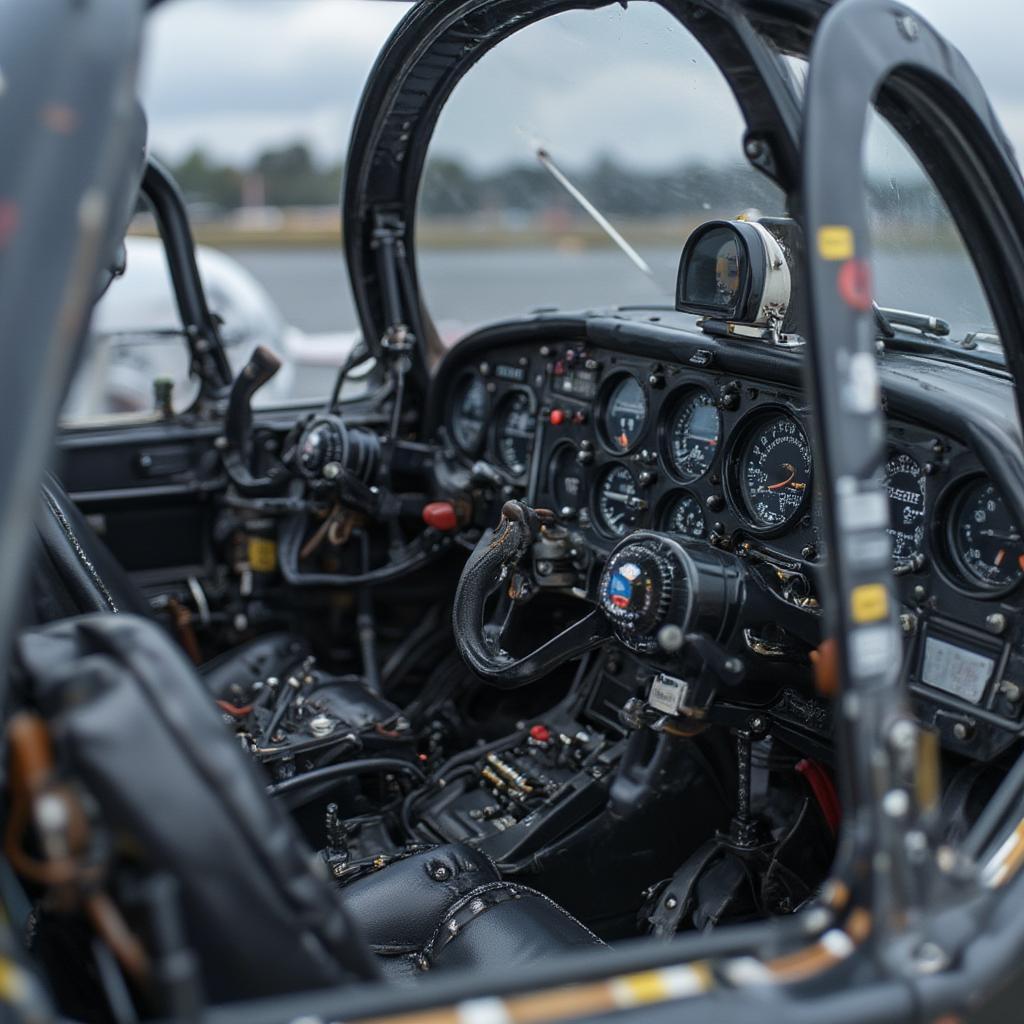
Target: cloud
236,76
233,76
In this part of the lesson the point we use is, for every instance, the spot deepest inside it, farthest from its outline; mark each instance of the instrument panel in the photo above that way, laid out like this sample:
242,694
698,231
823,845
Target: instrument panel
613,442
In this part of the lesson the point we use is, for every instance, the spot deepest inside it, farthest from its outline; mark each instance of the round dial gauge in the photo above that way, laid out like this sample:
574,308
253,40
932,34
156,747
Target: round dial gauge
469,413
683,514
693,433
904,480
567,481
515,426
617,504
774,471
625,414
987,543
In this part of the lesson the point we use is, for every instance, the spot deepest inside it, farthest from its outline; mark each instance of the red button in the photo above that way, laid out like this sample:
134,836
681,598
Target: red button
440,515
557,417
540,733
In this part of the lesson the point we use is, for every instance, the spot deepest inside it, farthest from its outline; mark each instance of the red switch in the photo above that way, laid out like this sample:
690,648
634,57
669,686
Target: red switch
557,417
540,733
440,515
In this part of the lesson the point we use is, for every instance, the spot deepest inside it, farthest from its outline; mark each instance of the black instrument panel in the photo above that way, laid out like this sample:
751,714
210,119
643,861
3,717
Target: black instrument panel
620,441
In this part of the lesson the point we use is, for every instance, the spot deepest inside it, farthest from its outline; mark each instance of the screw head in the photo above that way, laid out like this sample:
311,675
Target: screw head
670,638
995,623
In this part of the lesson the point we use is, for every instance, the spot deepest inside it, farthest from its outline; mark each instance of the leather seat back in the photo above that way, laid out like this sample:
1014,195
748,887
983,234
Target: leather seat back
79,574
131,720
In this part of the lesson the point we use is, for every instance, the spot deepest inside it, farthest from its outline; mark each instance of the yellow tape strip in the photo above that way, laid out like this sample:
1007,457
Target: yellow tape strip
835,242
869,602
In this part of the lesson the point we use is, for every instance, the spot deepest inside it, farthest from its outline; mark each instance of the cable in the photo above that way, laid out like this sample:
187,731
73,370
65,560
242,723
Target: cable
402,653
417,555
416,795
366,623
359,354
331,771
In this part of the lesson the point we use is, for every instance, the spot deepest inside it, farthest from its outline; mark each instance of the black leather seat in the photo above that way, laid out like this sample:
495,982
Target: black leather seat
449,908
76,573
131,721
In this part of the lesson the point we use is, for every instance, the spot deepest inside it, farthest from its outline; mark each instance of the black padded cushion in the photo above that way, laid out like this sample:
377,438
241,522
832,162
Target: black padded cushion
77,560
504,925
399,906
131,719
446,908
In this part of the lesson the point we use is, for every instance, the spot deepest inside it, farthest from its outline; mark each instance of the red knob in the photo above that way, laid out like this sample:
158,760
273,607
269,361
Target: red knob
557,417
440,515
540,733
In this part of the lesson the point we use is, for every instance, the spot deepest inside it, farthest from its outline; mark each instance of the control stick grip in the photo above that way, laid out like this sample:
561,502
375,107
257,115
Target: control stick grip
487,568
262,366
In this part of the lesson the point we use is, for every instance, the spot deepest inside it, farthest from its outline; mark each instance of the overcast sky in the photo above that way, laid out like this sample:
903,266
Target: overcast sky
236,76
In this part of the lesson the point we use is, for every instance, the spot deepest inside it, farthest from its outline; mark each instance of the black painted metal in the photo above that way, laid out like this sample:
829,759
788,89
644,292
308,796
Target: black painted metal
864,49
66,120
171,215
434,47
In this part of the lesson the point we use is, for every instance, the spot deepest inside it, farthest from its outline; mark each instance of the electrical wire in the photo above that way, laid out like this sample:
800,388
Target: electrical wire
333,771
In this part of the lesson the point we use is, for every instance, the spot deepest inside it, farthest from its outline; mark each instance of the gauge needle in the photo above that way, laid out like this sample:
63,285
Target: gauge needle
1000,557
788,480
623,439
996,535
617,495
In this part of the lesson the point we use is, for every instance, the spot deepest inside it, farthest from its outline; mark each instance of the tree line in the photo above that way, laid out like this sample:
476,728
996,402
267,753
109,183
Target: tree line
290,176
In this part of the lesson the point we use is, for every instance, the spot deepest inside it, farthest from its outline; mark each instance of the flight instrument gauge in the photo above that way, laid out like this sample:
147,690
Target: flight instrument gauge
624,413
987,544
692,434
905,484
617,503
773,471
515,426
469,413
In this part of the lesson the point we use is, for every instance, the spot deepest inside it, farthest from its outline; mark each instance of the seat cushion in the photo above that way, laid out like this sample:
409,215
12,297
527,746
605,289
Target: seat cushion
504,924
77,564
132,722
447,908
398,907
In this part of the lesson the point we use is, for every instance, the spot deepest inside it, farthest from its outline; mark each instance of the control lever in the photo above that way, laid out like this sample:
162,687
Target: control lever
237,454
640,771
